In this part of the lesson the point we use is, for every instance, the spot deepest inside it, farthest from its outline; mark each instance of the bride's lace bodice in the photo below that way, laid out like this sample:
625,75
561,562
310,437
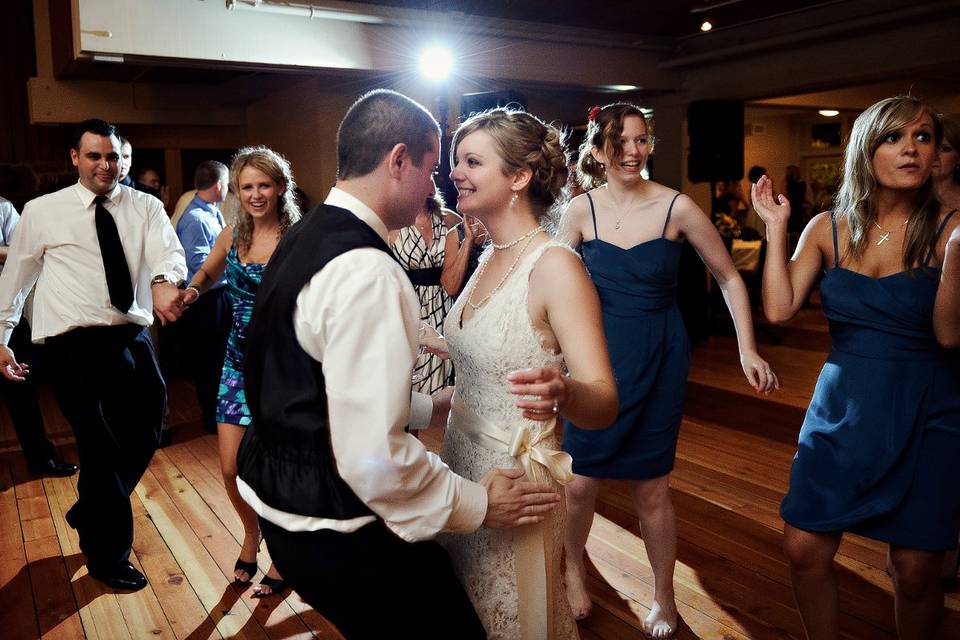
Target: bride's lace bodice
497,339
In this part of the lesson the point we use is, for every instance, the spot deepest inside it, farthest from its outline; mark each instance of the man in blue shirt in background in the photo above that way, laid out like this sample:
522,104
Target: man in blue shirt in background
201,333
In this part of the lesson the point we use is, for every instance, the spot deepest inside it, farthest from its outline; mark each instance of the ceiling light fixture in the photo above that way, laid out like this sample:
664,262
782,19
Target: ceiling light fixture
436,62
828,113
706,25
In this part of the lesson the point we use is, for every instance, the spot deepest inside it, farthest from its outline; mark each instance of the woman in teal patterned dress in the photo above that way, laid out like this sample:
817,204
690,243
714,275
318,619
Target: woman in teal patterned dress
262,180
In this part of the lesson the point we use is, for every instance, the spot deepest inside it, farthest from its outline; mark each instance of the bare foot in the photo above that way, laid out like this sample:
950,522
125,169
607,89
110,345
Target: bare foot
662,621
577,595
270,584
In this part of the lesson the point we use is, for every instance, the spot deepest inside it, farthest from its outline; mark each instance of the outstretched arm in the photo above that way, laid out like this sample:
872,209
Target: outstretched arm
213,267
701,233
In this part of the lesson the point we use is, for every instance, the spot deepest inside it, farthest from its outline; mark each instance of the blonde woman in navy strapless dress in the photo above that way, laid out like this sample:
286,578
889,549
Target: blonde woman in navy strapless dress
630,231
263,182
880,443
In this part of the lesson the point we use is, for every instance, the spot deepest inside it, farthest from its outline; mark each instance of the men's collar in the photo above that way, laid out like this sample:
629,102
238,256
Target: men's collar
203,204
87,197
342,199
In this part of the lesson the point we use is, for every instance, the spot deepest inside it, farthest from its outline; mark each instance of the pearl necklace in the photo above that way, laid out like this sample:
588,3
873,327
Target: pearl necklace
512,243
483,269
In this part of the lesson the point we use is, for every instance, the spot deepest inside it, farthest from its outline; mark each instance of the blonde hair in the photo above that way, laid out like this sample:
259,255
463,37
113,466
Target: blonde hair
855,202
278,169
524,141
602,130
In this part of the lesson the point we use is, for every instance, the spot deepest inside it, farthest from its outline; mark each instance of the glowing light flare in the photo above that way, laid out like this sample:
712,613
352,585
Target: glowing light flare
828,113
436,62
706,25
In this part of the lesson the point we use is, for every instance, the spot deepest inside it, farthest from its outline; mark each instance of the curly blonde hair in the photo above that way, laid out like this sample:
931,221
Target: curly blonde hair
856,203
524,141
278,169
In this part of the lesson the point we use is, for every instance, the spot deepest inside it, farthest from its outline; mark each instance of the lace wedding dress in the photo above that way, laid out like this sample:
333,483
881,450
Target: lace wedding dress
513,576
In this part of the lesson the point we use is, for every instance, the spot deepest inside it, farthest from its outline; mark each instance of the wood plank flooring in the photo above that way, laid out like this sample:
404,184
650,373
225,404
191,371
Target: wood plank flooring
731,580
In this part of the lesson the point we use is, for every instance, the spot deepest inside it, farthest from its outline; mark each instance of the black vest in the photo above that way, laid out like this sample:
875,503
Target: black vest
286,455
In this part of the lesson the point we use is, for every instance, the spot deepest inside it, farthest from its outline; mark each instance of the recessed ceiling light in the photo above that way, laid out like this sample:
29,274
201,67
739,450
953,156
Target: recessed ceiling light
829,113
436,62
621,87
706,25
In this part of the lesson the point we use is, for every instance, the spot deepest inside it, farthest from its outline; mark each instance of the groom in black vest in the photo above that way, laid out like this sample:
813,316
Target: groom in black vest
348,501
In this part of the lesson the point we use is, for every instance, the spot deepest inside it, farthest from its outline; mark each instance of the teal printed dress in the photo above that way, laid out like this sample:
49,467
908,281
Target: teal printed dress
243,280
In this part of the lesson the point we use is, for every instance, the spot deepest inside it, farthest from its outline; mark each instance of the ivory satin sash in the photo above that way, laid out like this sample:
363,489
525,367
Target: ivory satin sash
536,563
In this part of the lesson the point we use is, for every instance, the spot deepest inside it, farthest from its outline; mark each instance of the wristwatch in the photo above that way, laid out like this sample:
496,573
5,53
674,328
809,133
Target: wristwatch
161,279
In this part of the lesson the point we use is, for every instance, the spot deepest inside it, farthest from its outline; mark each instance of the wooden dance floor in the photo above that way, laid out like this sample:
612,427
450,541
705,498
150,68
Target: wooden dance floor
731,579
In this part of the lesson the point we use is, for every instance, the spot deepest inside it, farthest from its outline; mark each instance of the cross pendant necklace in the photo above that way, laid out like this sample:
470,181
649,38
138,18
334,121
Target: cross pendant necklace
886,234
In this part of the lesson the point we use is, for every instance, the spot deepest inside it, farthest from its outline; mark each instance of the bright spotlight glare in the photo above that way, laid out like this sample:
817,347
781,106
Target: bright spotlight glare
436,62
828,113
706,25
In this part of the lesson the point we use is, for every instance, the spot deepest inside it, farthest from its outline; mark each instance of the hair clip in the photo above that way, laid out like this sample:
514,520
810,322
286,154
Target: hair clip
593,113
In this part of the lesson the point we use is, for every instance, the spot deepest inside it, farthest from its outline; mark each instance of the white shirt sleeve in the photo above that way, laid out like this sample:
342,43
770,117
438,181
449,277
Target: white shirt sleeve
20,273
359,316
8,222
162,248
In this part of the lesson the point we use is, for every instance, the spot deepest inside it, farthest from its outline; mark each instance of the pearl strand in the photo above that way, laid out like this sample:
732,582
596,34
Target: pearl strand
483,269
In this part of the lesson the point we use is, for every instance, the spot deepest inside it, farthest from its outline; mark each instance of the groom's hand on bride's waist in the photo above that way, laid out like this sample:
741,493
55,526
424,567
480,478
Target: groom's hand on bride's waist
512,502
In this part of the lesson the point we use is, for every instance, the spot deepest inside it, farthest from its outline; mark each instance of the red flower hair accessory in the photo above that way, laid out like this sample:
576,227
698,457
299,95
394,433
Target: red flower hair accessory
593,114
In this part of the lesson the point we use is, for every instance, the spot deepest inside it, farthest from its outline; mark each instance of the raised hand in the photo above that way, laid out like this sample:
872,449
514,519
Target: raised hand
512,502
772,210
759,374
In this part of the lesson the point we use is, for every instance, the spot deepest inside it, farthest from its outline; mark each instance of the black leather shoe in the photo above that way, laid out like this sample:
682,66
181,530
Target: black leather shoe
53,466
124,577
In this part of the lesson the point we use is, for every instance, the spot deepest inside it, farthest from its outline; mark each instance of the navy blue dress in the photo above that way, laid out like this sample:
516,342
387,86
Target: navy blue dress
650,354
880,444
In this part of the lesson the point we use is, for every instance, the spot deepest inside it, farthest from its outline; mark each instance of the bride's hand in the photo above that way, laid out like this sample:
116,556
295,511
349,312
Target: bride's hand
545,387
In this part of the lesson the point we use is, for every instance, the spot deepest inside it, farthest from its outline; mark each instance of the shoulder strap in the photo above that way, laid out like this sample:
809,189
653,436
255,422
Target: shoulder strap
936,238
669,211
836,250
593,214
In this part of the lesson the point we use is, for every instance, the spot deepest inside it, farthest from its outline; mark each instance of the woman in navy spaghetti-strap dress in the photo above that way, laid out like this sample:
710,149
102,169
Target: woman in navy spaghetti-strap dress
262,180
630,231
879,446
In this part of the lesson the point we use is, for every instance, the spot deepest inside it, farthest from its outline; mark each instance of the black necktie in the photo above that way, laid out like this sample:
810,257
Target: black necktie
114,261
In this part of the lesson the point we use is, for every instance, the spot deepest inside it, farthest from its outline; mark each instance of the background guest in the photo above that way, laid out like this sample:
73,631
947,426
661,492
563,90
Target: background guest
200,336
264,184
21,398
421,250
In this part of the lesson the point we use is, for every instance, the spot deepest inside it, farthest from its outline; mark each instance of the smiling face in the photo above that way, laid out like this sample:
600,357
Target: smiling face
479,177
259,194
905,156
626,163
98,162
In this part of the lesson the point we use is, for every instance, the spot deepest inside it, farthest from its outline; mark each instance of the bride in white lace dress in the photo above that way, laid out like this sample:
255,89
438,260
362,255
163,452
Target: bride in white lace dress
529,312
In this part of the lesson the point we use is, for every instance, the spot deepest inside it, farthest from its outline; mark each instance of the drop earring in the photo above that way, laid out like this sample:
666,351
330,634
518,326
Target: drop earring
513,199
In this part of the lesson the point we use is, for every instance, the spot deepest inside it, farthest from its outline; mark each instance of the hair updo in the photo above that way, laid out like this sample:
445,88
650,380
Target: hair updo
524,141
604,128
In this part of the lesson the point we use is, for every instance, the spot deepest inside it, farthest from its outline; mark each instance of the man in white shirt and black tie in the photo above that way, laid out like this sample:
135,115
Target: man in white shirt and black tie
349,503
103,258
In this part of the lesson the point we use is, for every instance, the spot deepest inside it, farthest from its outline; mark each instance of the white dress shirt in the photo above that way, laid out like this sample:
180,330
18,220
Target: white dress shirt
359,316
56,249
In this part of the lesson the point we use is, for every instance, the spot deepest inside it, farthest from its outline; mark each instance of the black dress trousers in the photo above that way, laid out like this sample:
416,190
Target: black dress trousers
108,385
373,585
